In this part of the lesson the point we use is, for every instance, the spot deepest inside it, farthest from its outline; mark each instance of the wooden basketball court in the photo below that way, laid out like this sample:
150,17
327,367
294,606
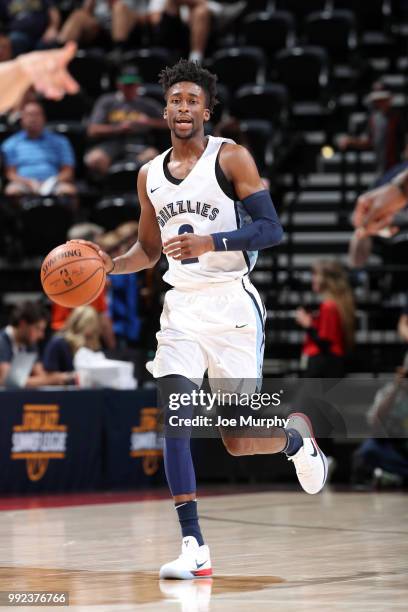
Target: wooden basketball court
284,551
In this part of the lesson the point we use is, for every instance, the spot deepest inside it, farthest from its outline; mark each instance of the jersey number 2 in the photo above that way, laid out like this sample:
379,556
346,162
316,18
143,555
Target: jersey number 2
187,229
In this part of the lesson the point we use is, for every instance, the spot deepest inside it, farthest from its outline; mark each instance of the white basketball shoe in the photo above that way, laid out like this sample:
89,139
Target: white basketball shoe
194,562
310,462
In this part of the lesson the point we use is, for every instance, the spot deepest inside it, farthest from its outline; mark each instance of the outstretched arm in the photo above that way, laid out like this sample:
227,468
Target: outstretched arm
44,70
375,209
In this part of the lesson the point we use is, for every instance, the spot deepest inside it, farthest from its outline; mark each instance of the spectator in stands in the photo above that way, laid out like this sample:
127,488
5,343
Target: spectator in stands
38,161
26,328
59,314
168,15
30,25
121,122
330,332
124,289
386,456
81,329
186,24
96,18
385,131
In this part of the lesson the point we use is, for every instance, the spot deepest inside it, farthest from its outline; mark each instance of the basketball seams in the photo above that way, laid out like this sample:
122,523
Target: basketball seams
95,295
51,295
64,265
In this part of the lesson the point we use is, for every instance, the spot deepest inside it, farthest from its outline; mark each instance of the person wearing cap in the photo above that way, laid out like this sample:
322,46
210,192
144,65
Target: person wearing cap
120,122
384,132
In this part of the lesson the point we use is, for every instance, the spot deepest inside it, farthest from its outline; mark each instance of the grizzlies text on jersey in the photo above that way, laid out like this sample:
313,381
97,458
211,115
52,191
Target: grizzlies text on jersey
200,205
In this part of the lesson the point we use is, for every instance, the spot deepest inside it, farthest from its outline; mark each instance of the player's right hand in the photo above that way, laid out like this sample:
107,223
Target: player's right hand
107,259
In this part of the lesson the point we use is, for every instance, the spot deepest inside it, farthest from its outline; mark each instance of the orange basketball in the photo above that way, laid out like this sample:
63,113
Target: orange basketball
73,274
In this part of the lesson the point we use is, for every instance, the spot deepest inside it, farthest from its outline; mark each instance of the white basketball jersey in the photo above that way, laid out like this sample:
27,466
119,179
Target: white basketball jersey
200,205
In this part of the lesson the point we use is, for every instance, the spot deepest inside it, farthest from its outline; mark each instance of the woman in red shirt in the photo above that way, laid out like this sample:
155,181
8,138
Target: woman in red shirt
330,332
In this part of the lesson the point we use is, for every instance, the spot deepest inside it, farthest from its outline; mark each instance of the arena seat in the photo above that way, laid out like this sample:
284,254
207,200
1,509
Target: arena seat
259,136
122,177
91,70
271,31
301,8
269,102
70,108
237,66
50,219
370,15
304,71
114,210
335,31
149,61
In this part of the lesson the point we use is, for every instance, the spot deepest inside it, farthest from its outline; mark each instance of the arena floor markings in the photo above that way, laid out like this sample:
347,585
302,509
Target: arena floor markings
283,551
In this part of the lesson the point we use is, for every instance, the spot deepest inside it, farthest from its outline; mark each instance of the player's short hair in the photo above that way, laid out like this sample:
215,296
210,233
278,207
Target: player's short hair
30,312
191,72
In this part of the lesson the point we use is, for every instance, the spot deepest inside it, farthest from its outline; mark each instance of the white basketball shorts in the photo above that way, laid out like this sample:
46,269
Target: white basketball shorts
219,328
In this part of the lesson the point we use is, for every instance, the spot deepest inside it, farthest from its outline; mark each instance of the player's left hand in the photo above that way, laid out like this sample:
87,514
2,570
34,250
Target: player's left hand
186,246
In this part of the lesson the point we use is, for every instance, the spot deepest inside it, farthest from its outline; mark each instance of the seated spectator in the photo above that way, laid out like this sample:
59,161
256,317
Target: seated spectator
81,329
38,161
388,417
29,25
97,18
26,328
121,121
186,24
384,132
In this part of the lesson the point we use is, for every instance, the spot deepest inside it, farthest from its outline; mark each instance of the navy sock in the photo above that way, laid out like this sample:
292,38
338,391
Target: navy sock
294,442
188,517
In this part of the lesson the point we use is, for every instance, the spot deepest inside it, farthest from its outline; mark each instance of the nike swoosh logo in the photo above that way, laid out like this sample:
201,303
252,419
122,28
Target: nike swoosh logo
239,326
314,454
198,565
153,190
225,240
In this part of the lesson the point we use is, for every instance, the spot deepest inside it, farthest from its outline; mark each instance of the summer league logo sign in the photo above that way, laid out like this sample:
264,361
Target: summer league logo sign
39,438
145,442
338,408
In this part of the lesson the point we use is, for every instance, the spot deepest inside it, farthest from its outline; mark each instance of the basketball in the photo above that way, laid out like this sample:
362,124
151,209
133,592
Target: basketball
73,274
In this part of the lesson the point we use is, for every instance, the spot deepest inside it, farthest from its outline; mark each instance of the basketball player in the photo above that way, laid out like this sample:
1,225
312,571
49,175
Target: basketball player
204,201
43,70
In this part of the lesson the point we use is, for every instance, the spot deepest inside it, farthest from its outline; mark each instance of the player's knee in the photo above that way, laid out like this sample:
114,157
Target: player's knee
237,447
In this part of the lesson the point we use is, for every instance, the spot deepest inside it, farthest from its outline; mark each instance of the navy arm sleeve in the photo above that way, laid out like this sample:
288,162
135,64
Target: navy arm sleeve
264,231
